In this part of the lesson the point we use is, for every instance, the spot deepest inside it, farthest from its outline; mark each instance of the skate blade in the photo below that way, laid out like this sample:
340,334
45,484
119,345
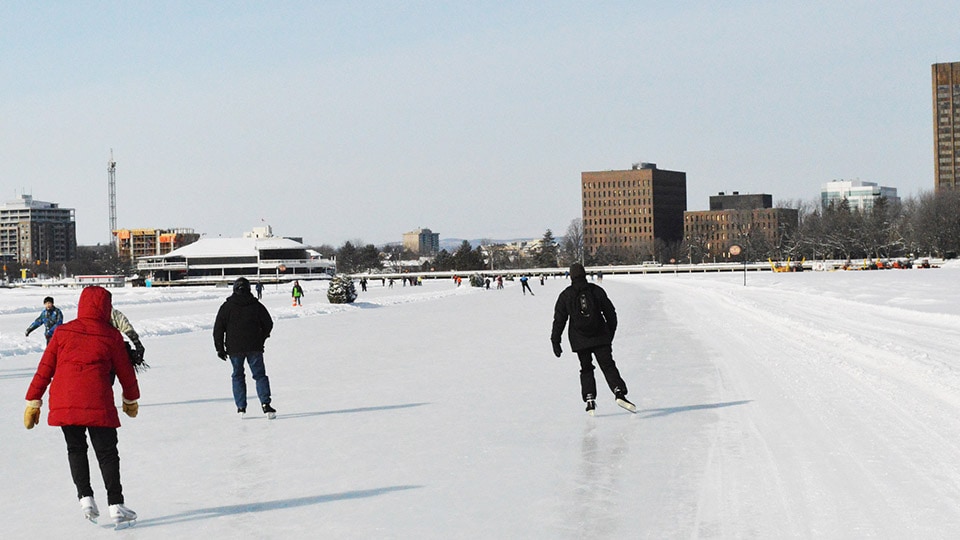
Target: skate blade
271,416
120,525
628,406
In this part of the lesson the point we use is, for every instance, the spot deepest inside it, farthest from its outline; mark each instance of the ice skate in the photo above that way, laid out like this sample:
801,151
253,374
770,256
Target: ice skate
122,516
269,411
625,403
591,406
241,412
89,508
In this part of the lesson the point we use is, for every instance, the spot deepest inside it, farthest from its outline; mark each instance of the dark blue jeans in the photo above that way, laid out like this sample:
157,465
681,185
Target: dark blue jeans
259,372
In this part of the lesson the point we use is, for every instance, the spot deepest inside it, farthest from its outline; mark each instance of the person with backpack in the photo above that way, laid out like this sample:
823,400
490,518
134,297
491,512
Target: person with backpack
593,323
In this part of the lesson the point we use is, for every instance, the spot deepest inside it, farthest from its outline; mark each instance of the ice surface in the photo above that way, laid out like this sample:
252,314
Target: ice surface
801,405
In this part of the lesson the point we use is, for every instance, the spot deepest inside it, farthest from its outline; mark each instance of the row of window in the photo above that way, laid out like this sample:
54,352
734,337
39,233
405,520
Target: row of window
618,211
618,202
608,231
617,221
620,194
616,184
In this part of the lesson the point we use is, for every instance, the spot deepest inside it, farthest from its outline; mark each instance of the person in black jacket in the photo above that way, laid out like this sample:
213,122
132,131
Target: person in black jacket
242,326
593,322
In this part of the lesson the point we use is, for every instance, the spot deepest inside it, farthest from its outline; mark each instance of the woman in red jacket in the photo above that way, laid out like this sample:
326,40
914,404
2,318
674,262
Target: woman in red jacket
78,365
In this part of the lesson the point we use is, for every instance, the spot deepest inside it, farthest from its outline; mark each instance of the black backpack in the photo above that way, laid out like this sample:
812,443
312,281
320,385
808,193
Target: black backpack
586,317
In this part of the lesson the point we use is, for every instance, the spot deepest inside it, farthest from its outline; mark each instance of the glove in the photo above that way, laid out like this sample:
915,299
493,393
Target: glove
31,416
222,355
130,408
557,351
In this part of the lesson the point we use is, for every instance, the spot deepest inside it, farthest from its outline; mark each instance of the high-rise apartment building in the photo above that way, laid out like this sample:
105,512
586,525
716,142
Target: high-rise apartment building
422,242
36,231
633,208
946,125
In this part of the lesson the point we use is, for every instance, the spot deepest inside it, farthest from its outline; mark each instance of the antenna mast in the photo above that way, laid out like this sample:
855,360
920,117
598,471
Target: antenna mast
112,191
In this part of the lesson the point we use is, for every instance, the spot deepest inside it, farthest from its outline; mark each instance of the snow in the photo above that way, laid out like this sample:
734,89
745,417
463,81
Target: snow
810,405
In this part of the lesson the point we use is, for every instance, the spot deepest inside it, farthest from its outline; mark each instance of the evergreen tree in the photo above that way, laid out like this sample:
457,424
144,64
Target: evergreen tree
347,258
546,255
341,290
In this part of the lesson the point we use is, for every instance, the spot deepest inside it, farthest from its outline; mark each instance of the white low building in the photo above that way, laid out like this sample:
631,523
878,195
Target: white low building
214,260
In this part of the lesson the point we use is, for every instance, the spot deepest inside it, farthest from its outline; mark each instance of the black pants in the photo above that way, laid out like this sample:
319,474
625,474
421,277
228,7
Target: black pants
588,384
104,442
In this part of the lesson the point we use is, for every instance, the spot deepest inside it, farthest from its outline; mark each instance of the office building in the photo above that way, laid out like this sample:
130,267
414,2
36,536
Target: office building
749,221
946,125
860,195
630,209
422,242
34,232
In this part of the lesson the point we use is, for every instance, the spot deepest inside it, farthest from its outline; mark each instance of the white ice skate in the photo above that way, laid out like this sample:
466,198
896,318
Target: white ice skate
122,516
89,508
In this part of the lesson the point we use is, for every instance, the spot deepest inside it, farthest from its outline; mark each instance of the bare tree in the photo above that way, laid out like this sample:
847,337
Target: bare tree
572,248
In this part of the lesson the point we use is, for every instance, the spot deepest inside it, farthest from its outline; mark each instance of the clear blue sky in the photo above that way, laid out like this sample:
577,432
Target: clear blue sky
344,120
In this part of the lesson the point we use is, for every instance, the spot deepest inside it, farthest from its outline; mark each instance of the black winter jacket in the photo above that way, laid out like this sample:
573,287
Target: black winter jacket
242,325
566,303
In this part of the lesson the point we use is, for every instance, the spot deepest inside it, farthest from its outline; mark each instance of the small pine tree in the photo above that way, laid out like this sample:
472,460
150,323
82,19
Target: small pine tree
341,290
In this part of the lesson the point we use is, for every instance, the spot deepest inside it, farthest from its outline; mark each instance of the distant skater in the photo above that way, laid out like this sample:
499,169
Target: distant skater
525,286
50,318
593,323
297,293
259,288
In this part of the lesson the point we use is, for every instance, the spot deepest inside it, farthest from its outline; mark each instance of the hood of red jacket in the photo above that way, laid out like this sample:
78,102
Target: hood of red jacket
95,303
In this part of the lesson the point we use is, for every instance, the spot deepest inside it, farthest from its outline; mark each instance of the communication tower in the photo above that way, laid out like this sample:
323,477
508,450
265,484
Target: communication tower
112,193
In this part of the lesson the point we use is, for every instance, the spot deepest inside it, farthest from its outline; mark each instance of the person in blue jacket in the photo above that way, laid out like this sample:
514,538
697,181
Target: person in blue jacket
50,318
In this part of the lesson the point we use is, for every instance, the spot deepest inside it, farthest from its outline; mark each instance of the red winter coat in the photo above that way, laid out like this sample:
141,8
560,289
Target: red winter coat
80,359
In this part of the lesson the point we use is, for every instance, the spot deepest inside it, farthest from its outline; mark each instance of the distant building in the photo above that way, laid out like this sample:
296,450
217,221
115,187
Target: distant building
860,195
213,260
422,242
135,243
736,201
32,231
632,208
745,220
946,125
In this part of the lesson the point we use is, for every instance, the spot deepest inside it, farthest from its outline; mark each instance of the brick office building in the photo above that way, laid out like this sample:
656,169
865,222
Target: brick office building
629,210
747,220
